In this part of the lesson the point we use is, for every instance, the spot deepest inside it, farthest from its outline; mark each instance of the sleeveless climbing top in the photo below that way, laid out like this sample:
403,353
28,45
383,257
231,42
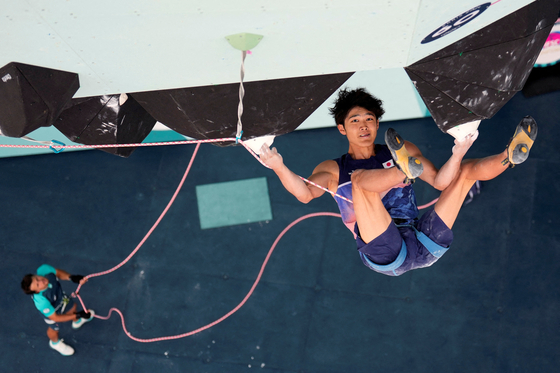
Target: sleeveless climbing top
400,202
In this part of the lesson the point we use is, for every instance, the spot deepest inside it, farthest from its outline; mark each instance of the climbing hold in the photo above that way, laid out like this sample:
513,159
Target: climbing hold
244,41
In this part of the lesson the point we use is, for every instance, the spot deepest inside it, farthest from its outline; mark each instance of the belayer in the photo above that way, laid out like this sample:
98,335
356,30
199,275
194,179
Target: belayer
55,306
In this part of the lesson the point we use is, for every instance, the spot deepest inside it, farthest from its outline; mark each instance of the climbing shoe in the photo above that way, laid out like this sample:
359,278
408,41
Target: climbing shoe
521,142
410,166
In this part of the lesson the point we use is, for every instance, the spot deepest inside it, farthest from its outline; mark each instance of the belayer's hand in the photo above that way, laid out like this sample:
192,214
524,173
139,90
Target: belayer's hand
78,279
82,314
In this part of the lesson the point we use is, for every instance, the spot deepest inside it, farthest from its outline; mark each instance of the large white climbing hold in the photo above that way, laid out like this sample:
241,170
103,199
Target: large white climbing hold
461,131
256,143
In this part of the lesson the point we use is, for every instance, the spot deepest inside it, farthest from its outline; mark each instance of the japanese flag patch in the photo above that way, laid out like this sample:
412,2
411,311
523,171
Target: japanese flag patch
388,164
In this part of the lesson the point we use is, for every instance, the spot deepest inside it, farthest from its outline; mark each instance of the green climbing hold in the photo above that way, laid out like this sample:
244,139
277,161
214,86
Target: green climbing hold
244,41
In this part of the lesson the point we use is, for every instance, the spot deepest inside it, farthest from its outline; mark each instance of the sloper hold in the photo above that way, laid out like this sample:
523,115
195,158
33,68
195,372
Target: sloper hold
32,97
271,107
103,120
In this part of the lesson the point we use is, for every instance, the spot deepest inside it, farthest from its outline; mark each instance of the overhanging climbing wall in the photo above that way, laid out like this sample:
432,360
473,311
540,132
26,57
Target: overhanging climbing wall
180,48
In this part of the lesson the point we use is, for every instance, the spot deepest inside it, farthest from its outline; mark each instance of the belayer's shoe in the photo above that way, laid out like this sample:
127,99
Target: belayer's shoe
410,166
62,347
81,321
521,142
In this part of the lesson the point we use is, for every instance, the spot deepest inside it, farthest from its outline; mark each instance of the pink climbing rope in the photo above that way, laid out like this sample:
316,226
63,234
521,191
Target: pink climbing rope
170,203
428,204
255,283
151,229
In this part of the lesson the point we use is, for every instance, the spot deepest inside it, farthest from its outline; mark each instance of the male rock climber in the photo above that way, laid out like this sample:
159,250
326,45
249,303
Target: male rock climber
54,304
384,216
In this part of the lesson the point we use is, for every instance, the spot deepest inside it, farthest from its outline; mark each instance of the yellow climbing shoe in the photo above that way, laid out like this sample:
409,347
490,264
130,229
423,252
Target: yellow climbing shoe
522,141
410,166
